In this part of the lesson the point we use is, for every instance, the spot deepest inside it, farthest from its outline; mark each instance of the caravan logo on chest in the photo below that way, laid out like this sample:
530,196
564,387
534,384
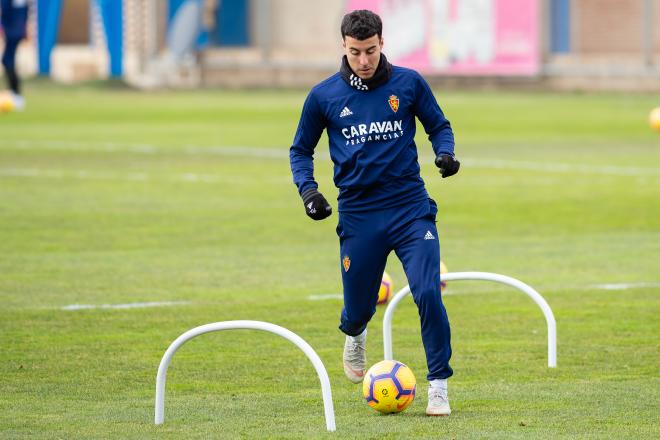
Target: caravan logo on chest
374,131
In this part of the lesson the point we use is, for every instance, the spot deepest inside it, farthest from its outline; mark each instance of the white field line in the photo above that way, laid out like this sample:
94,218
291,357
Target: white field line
321,153
448,292
66,145
136,305
140,148
74,174
137,177
325,296
263,153
555,167
625,286
331,296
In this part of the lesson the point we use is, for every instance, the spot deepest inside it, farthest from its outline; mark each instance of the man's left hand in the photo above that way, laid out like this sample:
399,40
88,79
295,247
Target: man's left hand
316,206
448,165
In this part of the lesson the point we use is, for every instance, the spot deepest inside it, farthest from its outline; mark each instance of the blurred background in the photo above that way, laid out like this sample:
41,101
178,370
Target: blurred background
556,44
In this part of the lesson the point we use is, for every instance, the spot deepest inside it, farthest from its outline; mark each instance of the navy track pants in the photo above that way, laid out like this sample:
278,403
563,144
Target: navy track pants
9,63
365,240
9,53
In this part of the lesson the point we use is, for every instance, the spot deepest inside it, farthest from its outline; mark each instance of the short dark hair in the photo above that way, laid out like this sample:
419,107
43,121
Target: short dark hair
361,24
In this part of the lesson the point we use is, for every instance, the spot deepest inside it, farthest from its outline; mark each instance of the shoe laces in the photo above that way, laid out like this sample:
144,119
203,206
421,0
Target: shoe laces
356,351
438,396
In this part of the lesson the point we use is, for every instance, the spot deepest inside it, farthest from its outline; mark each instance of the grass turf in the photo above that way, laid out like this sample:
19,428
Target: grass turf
111,196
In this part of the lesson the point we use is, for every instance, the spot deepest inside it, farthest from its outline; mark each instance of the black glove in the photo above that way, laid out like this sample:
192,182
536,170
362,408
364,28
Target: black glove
316,206
448,165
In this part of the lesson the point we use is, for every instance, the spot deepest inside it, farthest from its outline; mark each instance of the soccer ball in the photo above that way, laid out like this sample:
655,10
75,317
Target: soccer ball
654,119
6,103
443,269
385,290
389,387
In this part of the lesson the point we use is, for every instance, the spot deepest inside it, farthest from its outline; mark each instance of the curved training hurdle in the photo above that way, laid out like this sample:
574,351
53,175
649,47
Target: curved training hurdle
486,276
252,325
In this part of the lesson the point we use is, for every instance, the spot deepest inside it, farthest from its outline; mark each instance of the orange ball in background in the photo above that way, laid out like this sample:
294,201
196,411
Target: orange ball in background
654,119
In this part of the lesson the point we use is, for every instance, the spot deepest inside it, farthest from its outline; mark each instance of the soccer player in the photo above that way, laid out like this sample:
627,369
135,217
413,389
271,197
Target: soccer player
368,109
13,17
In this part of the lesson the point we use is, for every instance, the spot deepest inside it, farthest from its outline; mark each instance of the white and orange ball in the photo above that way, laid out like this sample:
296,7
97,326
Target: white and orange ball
389,386
385,291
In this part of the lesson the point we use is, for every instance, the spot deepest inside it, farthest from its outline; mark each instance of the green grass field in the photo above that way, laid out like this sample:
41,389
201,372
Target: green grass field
110,196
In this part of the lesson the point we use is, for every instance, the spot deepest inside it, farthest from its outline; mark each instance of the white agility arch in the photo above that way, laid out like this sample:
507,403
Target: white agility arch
252,325
486,276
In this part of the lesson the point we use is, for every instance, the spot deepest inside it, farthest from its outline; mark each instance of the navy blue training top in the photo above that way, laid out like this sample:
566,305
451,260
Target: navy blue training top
371,138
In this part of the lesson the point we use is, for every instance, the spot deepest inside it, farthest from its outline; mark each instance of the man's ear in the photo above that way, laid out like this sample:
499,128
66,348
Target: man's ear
381,42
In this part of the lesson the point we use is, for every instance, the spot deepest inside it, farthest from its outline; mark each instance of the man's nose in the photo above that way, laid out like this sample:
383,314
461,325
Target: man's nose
364,59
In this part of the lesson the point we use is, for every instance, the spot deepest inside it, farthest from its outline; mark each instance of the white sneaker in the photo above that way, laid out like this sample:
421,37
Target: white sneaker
355,357
438,402
19,102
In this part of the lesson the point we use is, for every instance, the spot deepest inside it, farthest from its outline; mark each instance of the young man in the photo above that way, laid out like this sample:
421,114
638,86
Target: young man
368,109
13,17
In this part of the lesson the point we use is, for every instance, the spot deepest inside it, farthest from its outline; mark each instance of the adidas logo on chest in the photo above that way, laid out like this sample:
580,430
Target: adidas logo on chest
345,112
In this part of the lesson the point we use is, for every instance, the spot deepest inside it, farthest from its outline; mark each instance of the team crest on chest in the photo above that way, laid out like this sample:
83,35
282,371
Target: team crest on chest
347,263
394,103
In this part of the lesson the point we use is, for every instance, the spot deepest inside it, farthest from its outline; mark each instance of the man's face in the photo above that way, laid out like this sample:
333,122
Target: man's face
363,55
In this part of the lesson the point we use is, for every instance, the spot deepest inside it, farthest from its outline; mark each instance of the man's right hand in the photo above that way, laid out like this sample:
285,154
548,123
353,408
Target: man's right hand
316,206
448,165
